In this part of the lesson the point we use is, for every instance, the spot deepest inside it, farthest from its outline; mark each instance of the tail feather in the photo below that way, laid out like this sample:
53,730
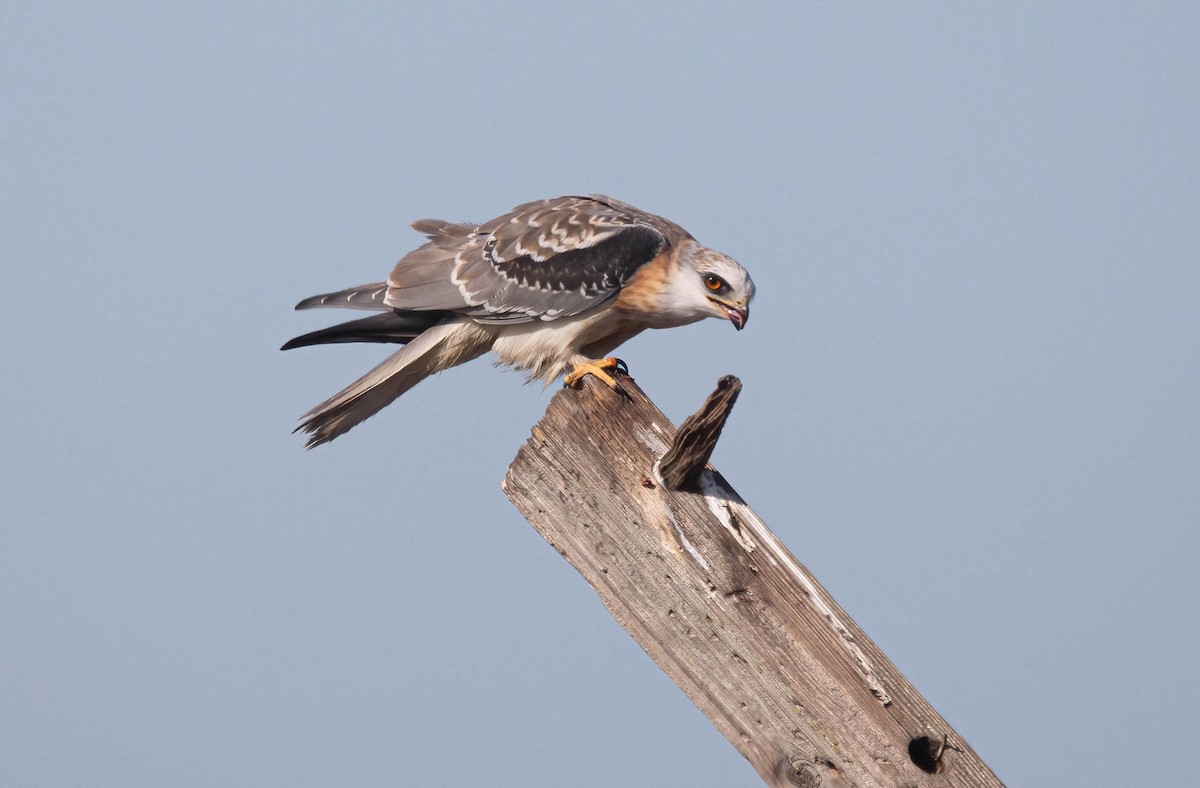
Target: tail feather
396,327
361,297
420,358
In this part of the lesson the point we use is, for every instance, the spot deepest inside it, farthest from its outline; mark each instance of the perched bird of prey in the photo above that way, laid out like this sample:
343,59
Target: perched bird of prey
552,287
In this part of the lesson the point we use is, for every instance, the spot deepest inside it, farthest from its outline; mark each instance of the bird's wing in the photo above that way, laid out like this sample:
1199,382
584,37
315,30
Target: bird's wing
541,261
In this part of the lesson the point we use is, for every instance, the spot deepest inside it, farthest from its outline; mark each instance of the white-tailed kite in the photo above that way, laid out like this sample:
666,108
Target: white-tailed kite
552,287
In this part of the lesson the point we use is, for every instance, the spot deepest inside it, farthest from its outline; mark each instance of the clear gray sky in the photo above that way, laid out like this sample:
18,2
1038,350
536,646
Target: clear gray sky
971,404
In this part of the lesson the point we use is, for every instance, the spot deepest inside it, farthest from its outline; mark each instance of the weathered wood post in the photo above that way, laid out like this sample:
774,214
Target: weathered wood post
689,570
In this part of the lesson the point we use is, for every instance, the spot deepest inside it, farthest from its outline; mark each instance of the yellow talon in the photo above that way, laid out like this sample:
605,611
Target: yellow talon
600,369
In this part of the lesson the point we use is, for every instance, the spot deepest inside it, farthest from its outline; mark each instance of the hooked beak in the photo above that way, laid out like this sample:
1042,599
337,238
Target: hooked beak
738,315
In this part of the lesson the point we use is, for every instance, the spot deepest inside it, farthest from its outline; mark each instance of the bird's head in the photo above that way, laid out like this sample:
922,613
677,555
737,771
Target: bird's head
717,286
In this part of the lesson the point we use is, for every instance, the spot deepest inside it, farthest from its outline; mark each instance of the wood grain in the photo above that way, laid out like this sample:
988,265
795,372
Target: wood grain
725,610
696,438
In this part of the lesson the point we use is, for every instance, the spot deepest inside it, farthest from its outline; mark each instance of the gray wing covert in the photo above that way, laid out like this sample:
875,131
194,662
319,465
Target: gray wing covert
543,260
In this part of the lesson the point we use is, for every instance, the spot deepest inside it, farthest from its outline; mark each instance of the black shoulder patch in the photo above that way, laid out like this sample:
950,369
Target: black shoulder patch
604,267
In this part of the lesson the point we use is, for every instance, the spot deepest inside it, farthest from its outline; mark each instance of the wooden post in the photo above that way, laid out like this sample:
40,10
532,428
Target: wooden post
719,603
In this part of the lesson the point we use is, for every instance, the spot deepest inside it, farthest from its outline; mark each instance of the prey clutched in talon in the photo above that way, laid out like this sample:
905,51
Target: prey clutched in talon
599,369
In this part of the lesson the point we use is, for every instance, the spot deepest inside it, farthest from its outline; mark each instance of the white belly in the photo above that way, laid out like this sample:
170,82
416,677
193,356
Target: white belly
545,347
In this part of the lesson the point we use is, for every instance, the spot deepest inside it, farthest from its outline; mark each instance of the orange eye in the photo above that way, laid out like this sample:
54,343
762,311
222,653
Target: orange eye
714,282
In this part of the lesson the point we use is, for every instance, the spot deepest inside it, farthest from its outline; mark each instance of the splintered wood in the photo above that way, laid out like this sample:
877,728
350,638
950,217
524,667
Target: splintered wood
720,604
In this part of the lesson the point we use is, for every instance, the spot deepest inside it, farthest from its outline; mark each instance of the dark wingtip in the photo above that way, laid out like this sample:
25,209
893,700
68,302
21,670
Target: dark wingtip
304,340
384,327
320,337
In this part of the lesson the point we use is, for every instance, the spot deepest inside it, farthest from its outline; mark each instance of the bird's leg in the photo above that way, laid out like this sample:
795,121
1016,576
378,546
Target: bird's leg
600,369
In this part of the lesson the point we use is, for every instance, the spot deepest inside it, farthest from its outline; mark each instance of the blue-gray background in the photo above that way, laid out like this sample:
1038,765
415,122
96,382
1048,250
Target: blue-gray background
971,378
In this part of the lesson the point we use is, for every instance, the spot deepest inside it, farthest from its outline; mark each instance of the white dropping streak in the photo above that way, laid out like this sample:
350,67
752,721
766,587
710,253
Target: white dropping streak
658,446
720,503
683,540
